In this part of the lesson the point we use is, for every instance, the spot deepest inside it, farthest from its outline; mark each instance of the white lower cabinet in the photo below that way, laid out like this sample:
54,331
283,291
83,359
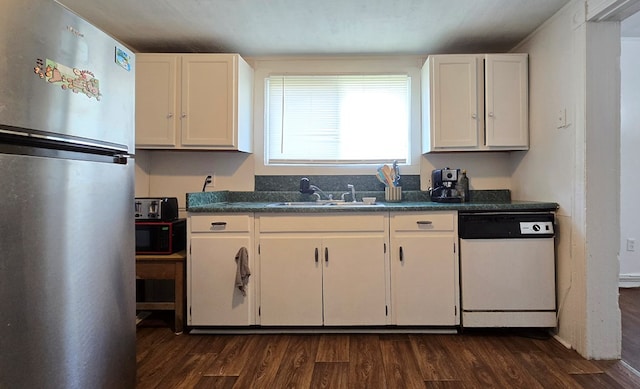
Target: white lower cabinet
212,296
424,269
329,269
323,270
354,281
290,281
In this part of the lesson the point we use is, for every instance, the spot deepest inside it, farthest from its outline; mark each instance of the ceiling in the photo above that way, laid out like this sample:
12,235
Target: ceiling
326,27
630,27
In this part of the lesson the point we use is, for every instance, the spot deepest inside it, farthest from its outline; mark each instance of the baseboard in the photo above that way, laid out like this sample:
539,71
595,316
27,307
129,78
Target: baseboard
630,368
320,330
562,341
141,315
629,280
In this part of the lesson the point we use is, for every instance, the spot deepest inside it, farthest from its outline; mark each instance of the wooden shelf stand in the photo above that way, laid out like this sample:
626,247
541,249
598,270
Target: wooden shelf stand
164,267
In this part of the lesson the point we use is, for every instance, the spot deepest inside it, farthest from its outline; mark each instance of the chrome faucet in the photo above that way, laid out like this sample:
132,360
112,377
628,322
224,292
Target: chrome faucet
319,192
353,192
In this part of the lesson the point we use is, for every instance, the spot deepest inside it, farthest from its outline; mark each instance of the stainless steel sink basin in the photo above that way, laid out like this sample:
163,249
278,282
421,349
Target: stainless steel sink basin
358,204
335,203
298,204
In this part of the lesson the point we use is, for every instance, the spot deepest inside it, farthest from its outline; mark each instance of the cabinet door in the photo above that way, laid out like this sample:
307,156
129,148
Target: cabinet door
506,90
208,100
454,118
290,281
354,281
157,116
423,283
214,298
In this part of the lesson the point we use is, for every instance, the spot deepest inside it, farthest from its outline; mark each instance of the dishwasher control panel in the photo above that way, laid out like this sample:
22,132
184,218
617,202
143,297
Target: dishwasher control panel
506,225
527,228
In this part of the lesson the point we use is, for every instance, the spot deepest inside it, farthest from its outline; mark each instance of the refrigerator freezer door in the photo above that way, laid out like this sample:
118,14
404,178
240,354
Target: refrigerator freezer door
62,75
67,274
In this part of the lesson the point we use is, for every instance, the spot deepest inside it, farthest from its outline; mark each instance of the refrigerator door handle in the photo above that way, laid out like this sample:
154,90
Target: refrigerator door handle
19,135
121,159
15,140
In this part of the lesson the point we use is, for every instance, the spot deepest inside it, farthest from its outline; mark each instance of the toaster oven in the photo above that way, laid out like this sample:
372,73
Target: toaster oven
156,208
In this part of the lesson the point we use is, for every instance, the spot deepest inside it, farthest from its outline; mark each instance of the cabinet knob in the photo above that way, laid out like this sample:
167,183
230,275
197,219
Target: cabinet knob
490,114
474,116
169,115
184,115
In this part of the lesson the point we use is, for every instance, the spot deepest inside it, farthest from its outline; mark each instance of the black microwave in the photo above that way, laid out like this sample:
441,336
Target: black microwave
161,237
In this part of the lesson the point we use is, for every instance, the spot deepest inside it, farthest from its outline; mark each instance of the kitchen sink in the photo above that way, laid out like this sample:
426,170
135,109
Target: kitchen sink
298,204
358,204
334,203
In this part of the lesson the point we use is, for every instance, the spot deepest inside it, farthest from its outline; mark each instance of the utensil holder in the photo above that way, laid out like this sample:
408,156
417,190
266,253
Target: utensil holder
393,194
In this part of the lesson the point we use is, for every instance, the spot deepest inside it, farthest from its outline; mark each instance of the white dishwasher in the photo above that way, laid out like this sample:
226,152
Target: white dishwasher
507,269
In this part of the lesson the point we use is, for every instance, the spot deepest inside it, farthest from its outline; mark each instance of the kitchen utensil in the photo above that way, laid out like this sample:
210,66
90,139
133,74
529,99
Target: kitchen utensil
388,175
396,174
381,177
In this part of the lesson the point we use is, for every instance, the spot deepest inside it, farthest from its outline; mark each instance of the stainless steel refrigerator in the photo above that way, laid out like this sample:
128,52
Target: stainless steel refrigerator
67,257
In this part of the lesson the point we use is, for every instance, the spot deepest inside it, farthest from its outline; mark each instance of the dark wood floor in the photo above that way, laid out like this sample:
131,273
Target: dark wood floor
473,359
630,309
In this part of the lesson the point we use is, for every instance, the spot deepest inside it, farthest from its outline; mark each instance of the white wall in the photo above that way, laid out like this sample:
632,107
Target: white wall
176,173
486,170
573,66
142,173
546,171
630,160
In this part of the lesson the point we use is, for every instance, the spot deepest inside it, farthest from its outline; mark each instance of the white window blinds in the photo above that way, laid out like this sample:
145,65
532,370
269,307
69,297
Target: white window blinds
337,119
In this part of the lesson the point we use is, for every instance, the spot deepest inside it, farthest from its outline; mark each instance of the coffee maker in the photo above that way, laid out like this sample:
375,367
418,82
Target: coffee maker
443,186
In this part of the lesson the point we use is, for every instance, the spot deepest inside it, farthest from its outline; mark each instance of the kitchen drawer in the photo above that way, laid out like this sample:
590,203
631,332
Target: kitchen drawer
323,223
424,221
221,223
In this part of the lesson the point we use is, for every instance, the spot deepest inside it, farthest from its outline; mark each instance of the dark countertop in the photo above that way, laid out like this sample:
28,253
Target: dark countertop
263,202
262,207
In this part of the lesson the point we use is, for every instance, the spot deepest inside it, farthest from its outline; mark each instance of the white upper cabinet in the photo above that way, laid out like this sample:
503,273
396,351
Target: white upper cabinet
157,100
193,101
475,103
450,99
507,101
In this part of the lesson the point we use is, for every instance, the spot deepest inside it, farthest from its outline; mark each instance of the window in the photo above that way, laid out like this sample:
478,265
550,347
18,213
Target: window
337,119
